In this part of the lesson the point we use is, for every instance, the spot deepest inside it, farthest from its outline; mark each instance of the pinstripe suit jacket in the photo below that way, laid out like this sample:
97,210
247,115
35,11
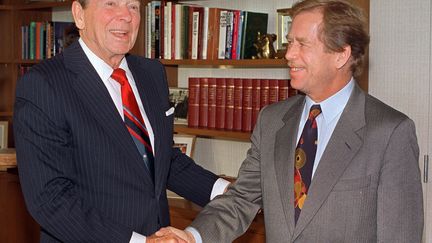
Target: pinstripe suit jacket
366,187
82,177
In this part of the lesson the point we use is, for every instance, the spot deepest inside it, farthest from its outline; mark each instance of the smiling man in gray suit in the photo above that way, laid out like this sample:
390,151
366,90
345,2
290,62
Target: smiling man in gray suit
356,180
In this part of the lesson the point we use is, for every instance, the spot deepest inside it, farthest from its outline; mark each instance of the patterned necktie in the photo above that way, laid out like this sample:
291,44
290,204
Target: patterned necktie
304,159
134,121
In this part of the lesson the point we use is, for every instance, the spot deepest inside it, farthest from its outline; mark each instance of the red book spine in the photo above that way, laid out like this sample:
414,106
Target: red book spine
203,104
173,31
220,102
264,92
236,21
211,103
247,106
256,100
194,100
238,104
229,109
291,90
273,91
283,89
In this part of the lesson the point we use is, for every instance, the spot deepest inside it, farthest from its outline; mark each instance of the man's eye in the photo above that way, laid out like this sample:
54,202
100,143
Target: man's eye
110,3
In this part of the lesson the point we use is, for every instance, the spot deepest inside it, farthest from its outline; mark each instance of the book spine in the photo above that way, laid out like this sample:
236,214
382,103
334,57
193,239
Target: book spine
220,102
204,101
291,90
205,31
236,20
229,34
222,34
256,100
247,106
32,40
273,91
213,34
264,92
38,41
211,103
229,110
194,101
195,32
283,89
238,104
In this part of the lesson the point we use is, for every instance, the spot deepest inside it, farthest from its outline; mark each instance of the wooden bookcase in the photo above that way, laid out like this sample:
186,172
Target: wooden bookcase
15,13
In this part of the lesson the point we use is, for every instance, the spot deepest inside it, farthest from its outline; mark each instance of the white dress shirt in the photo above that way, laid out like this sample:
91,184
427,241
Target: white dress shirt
114,89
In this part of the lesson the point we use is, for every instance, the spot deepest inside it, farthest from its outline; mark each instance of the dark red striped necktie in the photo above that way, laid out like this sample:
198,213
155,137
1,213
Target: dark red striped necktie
304,159
134,121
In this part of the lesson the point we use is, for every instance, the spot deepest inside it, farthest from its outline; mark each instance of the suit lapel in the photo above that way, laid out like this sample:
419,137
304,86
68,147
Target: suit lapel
344,143
94,95
284,160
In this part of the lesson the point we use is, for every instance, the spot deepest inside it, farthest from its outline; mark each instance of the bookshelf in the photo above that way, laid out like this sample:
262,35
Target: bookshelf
15,13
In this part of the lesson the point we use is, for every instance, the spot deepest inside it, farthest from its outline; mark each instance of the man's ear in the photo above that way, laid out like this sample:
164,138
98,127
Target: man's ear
343,57
78,15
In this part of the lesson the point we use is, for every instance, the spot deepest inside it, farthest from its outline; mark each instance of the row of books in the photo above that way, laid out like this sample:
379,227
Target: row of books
179,31
41,40
232,103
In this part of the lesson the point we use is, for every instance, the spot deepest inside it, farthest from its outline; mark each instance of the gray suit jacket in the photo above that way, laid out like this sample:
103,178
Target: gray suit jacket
366,188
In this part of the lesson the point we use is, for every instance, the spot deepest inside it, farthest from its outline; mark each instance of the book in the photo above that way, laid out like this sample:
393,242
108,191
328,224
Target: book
247,105
213,34
229,107
178,98
220,102
273,90
253,23
194,101
238,104
283,89
264,99
256,100
229,34
222,34
203,102
211,103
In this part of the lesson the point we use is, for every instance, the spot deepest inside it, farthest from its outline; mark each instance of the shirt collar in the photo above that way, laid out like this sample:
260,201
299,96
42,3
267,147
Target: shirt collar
102,68
334,105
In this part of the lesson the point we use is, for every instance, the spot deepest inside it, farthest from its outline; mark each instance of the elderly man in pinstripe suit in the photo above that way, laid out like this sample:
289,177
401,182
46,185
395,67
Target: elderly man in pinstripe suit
93,130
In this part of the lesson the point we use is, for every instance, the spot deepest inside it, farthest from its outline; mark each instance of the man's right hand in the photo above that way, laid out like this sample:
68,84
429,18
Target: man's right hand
171,235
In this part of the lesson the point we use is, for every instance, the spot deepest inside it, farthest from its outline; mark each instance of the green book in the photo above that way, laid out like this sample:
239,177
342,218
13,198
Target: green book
253,23
32,40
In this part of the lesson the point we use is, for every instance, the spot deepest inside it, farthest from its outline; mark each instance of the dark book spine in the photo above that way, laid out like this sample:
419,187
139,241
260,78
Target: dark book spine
238,104
229,110
194,101
203,104
211,103
247,106
220,102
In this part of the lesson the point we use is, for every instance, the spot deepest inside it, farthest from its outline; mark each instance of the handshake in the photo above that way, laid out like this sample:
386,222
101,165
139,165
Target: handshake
171,235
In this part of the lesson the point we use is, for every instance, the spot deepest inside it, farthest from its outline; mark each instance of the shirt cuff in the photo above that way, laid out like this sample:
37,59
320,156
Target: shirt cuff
196,235
137,238
219,188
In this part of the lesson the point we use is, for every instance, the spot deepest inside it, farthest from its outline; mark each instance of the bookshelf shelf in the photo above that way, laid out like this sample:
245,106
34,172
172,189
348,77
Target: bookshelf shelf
212,133
246,63
42,5
6,114
24,61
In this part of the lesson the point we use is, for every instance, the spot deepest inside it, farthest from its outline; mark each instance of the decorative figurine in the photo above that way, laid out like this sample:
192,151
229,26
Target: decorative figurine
264,46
